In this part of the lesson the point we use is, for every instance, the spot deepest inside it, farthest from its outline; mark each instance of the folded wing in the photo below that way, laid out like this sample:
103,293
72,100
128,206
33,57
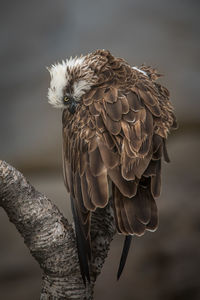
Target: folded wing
117,135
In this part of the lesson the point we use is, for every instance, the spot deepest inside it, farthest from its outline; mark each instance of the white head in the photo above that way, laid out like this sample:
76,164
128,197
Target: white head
69,79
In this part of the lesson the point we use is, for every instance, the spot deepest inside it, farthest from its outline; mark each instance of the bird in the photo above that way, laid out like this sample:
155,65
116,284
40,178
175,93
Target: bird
115,122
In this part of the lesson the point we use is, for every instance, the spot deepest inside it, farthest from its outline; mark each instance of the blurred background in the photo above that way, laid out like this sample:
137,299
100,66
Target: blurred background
165,34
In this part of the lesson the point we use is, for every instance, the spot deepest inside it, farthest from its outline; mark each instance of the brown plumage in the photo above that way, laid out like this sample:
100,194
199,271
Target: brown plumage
116,135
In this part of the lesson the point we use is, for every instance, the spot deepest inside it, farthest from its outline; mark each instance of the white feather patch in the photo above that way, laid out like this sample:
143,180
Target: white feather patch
57,84
74,62
60,78
80,87
143,72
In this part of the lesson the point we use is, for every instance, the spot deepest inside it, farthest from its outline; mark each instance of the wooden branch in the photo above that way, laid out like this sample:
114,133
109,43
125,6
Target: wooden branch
50,238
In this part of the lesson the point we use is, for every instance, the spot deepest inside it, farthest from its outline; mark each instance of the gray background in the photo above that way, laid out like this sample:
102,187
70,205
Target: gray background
165,34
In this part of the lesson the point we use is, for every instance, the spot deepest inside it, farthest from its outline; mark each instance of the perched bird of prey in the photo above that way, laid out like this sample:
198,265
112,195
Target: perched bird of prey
116,119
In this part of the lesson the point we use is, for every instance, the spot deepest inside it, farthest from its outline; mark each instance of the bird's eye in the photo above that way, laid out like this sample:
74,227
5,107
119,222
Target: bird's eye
66,99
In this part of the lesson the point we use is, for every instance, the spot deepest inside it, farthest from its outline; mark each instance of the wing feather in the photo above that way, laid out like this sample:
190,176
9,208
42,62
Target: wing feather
127,188
114,127
156,180
109,157
134,101
97,188
114,110
96,163
130,116
127,166
153,224
125,104
111,94
86,198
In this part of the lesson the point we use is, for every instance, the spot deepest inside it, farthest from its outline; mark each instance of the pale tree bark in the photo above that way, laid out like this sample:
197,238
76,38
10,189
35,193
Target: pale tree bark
50,238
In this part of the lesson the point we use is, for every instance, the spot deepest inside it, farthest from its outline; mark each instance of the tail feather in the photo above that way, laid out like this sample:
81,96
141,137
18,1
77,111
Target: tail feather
83,252
126,247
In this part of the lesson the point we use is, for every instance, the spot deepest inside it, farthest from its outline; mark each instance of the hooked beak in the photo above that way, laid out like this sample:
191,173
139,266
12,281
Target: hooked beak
72,104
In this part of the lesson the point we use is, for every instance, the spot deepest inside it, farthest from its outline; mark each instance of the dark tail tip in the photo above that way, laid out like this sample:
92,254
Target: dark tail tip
126,247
